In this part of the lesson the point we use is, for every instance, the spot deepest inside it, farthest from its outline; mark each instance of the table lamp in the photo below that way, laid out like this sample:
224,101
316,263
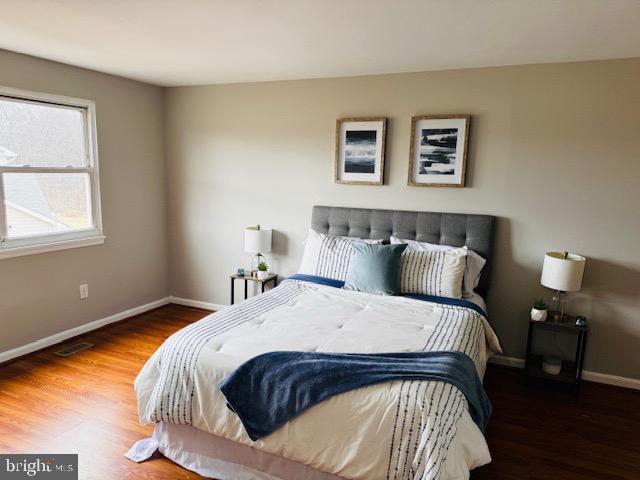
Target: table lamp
562,272
257,241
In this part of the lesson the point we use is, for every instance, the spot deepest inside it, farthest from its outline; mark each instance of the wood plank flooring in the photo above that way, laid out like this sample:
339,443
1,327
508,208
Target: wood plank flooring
538,433
85,404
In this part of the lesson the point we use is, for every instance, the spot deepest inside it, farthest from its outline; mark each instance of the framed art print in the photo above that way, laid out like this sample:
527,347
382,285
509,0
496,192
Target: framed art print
360,150
438,151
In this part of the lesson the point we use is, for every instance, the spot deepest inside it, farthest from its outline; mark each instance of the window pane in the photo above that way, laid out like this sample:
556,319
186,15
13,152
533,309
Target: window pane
41,203
41,135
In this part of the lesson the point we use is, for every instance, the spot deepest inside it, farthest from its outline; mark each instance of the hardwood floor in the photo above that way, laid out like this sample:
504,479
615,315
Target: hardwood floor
85,404
537,433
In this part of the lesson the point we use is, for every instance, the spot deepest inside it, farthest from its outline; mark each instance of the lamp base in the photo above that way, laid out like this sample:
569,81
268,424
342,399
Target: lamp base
560,301
255,262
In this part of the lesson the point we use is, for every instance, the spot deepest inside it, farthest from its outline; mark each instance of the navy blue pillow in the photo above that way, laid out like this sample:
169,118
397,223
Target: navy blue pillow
375,268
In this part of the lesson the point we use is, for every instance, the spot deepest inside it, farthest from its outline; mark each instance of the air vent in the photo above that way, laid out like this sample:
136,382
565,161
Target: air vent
75,348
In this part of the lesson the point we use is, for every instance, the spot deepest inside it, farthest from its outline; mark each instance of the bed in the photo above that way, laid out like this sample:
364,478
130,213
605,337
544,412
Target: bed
394,430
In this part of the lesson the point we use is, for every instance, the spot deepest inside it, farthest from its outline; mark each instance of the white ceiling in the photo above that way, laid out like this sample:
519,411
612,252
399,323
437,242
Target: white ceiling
192,42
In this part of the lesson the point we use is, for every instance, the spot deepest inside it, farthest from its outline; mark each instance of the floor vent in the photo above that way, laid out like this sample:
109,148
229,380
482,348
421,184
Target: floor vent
71,349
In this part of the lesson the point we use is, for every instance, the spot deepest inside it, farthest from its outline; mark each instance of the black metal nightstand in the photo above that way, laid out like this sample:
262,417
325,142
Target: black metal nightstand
248,278
571,372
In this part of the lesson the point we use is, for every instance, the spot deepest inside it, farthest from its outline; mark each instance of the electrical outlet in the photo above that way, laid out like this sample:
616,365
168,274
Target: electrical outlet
84,291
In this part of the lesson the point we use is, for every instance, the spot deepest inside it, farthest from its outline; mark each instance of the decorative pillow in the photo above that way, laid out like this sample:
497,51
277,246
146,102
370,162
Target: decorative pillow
375,268
436,273
475,263
328,256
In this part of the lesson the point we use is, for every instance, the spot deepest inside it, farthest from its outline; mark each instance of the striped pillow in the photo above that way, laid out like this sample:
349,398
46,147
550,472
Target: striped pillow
436,273
472,271
328,256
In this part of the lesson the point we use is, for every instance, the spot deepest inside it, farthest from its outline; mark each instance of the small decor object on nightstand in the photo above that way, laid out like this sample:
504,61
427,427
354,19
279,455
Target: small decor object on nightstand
257,241
581,321
539,310
562,272
241,272
262,273
551,365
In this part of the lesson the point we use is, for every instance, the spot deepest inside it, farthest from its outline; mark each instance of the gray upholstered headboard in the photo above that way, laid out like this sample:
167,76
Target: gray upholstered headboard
457,229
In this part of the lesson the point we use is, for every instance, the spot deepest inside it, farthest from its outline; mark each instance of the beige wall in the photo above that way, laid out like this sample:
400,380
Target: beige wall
554,153
39,293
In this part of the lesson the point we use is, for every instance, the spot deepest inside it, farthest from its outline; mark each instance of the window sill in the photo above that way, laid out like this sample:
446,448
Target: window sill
51,247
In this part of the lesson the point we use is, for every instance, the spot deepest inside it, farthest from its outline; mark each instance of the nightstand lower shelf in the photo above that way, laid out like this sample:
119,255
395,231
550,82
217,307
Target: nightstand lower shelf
568,374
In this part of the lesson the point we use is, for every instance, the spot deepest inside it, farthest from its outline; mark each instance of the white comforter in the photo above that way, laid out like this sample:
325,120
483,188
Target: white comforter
398,430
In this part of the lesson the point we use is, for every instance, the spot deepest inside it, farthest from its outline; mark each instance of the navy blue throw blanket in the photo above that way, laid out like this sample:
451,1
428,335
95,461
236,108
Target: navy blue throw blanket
271,389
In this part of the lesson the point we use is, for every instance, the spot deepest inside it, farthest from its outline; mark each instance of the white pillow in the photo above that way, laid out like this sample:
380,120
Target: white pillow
433,272
474,266
328,255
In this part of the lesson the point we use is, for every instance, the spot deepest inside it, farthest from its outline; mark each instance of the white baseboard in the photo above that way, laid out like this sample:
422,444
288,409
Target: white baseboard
507,361
605,378
611,379
187,302
79,330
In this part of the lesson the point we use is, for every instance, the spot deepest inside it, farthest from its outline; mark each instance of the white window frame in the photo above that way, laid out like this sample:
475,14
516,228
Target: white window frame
29,245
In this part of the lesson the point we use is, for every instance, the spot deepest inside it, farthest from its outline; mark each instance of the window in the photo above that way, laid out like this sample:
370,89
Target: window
49,189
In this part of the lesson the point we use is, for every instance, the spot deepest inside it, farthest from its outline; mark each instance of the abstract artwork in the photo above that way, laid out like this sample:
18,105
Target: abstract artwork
438,150
360,150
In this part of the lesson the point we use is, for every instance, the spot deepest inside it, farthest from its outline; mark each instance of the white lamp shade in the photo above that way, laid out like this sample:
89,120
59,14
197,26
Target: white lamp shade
257,241
560,273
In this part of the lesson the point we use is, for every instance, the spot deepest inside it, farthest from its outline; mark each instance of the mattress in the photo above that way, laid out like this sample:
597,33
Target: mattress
399,430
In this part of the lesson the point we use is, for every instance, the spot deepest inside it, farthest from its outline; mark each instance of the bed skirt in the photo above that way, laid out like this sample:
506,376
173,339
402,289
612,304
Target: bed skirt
215,457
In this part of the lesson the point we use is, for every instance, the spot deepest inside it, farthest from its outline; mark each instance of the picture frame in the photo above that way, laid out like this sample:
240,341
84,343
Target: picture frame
438,150
360,150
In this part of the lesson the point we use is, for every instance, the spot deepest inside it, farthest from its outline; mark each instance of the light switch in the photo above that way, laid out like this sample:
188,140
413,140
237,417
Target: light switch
84,291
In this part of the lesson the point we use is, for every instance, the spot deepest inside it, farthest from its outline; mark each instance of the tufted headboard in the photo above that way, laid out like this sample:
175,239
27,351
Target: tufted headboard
457,229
